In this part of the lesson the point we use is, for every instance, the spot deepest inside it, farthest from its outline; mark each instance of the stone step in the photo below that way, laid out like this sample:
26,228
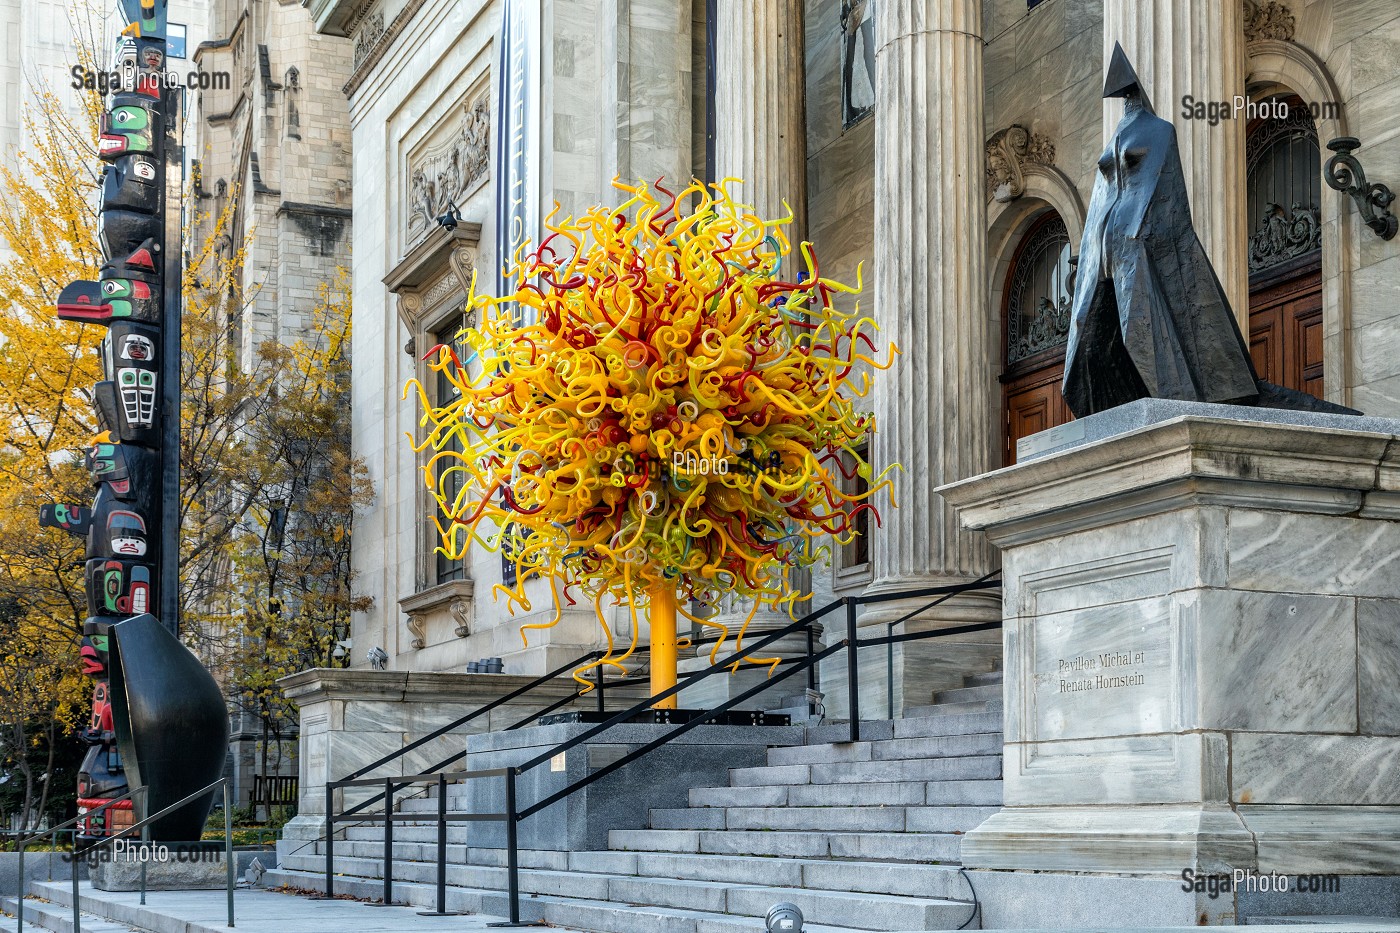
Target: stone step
1347,922
835,730
981,793
946,709
939,746
424,832
969,694
947,724
938,881
871,772
541,869
886,749
873,846
982,680
826,819
662,900
688,818
45,915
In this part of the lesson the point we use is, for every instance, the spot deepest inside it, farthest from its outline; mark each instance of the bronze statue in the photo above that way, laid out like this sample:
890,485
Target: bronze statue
1150,318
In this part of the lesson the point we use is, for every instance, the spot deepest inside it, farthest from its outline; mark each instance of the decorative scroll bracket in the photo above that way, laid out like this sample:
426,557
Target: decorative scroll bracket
1345,174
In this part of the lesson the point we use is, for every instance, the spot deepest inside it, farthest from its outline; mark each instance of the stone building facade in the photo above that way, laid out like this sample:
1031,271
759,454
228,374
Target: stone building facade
275,143
947,148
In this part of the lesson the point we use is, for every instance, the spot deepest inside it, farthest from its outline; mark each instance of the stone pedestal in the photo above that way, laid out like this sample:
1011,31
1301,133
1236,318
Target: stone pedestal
350,718
1201,643
622,800
170,866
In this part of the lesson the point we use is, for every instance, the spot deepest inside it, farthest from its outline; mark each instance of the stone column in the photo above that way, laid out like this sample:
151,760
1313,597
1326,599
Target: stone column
761,139
1196,48
760,87
935,408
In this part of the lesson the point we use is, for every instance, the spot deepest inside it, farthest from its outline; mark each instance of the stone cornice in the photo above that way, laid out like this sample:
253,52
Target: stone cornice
1199,459
336,17
377,51
430,255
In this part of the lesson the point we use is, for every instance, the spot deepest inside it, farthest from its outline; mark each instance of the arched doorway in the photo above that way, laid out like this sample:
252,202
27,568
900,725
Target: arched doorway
1035,327
1284,167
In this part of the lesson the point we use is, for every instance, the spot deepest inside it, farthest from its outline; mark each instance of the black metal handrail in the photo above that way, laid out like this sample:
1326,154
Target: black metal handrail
124,833
513,814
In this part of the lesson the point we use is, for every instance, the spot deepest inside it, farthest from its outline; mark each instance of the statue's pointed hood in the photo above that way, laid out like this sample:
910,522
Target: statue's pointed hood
1122,79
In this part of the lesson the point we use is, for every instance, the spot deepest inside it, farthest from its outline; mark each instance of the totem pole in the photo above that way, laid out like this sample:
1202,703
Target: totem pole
158,718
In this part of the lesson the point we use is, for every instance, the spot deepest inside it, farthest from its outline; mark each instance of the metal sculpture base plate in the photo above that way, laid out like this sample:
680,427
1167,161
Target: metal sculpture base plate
673,717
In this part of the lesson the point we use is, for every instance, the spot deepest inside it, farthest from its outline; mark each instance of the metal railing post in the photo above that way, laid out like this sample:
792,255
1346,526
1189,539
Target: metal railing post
512,850
146,842
442,845
852,669
811,668
330,839
602,701
228,848
19,901
388,841
889,668
77,913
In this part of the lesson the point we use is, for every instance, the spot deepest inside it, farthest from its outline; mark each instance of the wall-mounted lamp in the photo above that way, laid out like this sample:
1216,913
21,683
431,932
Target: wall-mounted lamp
449,218
1344,173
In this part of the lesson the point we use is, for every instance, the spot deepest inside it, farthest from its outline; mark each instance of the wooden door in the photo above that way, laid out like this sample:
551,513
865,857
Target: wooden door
1035,316
1285,332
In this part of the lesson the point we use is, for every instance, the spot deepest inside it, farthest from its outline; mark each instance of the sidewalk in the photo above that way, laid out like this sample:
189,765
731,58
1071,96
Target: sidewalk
255,911
262,911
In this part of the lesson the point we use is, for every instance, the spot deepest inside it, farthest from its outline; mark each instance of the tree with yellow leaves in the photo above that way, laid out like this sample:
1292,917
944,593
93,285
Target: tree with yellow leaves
47,369
263,593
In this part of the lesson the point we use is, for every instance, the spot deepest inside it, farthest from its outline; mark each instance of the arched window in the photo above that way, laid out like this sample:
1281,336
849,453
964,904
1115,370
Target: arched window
1036,313
1284,169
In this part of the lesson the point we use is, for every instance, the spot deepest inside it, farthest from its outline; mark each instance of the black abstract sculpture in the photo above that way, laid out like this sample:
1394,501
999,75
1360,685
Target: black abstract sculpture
1150,318
158,718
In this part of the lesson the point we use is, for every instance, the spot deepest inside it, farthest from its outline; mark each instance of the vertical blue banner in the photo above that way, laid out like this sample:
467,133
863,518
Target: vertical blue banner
517,134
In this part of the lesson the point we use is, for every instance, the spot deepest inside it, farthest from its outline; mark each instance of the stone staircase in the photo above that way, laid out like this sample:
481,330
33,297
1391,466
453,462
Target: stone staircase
861,836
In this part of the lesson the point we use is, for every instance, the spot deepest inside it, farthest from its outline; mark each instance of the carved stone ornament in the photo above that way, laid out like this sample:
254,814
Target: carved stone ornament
1008,151
442,178
419,627
462,614
370,33
1283,235
1270,20
463,266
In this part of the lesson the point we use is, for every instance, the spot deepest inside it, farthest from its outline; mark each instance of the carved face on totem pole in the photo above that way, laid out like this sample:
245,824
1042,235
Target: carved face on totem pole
118,587
132,124
109,301
131,184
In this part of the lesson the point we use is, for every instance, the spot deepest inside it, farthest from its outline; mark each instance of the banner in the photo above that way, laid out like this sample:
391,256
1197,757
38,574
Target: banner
517,134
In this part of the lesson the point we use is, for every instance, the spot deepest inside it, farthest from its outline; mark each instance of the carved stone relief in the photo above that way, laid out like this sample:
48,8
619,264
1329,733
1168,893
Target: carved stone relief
1008,151
370,32
1271,20
440,178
